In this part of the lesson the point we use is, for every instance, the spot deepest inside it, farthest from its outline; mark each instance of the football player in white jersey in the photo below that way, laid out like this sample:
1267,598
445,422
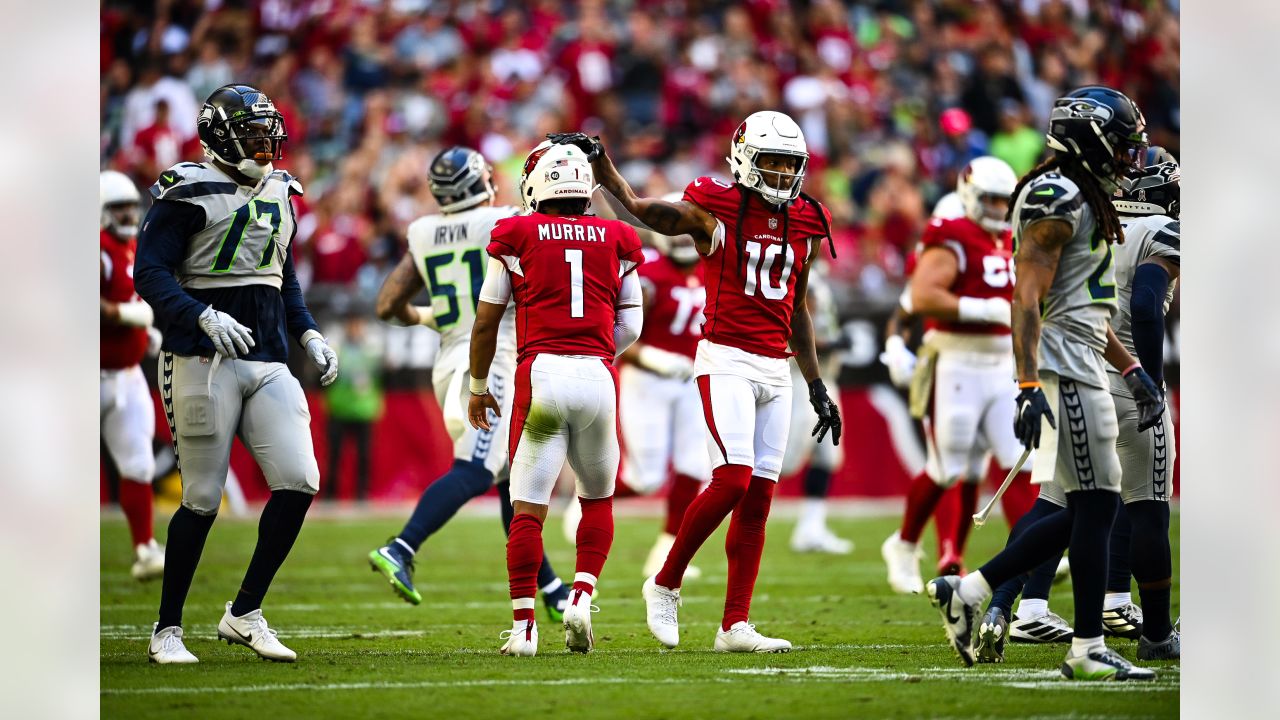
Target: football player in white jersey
447,257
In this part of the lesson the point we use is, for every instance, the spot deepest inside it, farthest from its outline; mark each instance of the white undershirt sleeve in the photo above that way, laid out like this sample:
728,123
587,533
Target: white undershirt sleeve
628,321
497,284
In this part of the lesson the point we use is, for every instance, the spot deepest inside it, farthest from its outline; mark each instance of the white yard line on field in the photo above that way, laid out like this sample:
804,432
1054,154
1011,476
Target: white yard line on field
396,685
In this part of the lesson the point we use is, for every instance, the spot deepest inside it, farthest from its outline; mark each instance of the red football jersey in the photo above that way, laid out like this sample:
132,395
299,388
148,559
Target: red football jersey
751,291
985,268
121,346
674,318
566,271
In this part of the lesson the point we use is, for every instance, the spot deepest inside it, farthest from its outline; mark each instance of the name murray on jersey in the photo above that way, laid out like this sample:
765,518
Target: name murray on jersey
567,231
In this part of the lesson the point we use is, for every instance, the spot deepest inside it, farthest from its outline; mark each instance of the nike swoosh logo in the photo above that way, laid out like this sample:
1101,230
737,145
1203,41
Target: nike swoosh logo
1045,191
697,182
946,611
247,638
167,178
383,552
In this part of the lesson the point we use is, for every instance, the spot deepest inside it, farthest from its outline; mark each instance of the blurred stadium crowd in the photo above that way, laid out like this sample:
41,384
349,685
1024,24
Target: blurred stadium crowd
894,96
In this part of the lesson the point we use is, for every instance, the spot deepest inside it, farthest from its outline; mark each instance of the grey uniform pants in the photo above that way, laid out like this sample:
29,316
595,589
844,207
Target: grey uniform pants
1081,453
208,402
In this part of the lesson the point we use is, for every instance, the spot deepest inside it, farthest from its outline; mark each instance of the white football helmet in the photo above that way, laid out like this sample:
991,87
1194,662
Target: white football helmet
555,172
116,189
680,248
767,132
986,178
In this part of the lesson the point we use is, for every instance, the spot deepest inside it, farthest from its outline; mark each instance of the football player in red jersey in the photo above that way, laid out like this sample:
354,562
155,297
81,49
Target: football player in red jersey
660,405
758,236
962,285
126,411
578,303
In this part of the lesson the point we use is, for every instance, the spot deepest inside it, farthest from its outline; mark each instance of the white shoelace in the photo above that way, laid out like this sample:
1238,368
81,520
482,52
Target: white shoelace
172,642
667,608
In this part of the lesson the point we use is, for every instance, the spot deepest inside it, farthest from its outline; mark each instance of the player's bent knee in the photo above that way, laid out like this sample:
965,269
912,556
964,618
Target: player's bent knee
138,467
202,498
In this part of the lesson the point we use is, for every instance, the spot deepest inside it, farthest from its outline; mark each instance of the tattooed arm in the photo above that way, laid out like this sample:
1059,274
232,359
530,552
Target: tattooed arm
1039,249
397,290
663,217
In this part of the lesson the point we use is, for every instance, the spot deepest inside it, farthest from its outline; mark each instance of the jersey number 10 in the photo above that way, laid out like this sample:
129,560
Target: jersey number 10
760,263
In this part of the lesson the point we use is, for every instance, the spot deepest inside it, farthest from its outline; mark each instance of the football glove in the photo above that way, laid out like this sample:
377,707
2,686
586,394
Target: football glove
1148,396
589,145
1032,405
664,363
230,338
323,357
900,361
828,413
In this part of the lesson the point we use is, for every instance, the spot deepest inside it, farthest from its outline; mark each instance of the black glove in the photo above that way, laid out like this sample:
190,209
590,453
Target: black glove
589,145
1032,405
828,413
1149,397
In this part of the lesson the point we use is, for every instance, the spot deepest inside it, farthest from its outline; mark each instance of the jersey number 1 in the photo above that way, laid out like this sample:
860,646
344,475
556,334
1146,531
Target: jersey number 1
573,256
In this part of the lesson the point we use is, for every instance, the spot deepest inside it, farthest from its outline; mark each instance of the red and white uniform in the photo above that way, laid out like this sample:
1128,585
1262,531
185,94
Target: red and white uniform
741,364
566,273
126,412
661,416
972,408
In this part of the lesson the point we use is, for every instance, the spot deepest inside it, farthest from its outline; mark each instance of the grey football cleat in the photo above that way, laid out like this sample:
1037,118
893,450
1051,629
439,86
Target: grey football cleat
1169,648
992,631
1102,663
957,617
1124,621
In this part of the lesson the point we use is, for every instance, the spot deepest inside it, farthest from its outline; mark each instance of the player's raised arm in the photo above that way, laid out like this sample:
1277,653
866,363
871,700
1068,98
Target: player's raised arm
667,218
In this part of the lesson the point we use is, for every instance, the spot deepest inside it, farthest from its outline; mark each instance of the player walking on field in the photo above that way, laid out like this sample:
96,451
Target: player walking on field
215,261
125,406
1064,225
758,237
578,303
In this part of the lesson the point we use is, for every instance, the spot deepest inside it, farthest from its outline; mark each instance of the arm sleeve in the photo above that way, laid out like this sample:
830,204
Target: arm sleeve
162,246
497,284
628,321
298,318
1146,307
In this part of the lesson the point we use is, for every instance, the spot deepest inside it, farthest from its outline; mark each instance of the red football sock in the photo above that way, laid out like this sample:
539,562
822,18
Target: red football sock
1020,496
135,501
524,555
946,519
967,506
595,537
744,544
683,490
922,497
706,512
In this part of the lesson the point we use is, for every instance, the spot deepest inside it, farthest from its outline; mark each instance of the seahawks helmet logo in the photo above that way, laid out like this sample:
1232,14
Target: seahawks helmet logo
1090,109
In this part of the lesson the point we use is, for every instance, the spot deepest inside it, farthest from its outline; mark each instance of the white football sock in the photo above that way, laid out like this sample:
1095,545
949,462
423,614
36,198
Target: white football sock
552,586
1115,600
1030,609
813,512
974,589
1080,646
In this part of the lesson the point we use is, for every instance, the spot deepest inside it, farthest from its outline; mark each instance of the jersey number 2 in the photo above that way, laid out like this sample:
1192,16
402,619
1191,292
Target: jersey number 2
760,262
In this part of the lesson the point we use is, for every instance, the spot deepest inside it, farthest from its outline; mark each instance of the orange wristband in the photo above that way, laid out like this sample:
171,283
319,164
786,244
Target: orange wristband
1025,385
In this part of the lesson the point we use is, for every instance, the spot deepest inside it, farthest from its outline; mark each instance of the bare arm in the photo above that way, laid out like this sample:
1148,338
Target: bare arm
1038,253
660,216
397,290
802,340
1116,355
931,284
484,343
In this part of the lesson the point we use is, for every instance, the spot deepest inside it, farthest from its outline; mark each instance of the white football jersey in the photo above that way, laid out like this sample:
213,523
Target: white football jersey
449,252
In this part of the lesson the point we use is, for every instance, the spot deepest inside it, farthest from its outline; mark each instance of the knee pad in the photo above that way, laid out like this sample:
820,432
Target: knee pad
139,466
202,498
1148,517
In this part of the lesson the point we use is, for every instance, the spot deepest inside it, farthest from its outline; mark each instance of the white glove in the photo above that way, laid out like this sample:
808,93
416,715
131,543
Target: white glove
154,340
665,363
323,356
985,310
137,313
900,361
228,336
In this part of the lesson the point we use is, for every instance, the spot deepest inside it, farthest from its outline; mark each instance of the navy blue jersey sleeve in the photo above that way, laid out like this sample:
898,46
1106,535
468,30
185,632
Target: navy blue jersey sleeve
297,316
162,246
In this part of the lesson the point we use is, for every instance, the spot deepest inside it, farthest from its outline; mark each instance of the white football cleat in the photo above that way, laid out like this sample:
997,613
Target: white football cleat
149,561
166,647
903,561
661,610
812,537
572,516
1063,573
742,637
658,556
577,622
251,631
522,639
1102,663
1047,628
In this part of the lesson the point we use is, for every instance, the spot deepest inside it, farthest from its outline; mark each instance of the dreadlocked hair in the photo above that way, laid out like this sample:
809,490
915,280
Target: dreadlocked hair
822,217
738,243
1105,213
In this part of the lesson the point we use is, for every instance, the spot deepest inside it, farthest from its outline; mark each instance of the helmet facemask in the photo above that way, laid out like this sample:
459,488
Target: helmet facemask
244,130
121,219
768,133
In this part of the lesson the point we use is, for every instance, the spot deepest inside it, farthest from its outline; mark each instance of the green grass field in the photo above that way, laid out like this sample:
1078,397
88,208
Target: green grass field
860,650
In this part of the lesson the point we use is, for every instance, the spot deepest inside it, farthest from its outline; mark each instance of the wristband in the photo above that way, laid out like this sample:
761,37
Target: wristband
308,336
1131,368
1028,385
479,386
904,300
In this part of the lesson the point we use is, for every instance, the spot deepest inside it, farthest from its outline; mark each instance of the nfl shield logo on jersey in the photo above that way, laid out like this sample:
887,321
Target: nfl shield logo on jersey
773,223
